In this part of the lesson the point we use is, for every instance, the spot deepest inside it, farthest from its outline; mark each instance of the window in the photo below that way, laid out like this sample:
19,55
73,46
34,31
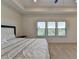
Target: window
41,28
61,28
51,28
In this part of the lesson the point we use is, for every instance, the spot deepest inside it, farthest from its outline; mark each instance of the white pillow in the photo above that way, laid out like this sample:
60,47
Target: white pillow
3,39
10,36
7,34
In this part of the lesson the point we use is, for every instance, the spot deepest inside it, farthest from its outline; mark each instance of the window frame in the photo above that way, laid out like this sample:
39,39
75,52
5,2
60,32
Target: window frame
56,29
37,29
64,28
48,28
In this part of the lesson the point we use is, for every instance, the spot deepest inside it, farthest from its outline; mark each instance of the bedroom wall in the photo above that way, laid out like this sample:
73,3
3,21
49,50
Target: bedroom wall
11,17
29,26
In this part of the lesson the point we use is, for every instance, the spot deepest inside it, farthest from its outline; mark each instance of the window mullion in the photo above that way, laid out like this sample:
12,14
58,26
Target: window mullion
46,30
56,29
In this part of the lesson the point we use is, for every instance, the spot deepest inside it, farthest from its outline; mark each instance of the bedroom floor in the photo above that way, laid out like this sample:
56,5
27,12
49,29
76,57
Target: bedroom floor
63,51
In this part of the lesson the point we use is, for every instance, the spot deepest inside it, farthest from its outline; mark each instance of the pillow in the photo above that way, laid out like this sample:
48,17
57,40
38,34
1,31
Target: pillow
10,36
7,34
3,39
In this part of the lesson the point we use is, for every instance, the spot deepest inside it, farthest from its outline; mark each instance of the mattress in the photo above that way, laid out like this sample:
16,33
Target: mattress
22,48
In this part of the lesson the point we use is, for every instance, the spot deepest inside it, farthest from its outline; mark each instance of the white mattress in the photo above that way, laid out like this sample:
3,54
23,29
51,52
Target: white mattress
22,48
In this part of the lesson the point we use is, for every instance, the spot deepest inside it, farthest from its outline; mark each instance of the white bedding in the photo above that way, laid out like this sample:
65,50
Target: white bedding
22,48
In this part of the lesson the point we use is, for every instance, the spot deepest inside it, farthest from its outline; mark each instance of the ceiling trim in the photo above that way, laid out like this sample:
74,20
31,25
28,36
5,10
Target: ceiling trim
18,4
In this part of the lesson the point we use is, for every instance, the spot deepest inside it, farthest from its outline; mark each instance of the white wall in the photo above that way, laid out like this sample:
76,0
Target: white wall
11,17
29,23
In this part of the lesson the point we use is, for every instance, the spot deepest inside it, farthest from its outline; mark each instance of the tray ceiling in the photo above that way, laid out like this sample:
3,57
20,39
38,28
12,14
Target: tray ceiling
46,3
49,6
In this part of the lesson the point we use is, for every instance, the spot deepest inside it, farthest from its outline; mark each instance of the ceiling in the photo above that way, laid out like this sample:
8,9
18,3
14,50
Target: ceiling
46,3
42,6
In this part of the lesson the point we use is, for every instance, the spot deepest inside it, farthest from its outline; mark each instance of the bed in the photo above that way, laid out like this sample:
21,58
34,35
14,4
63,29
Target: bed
22,48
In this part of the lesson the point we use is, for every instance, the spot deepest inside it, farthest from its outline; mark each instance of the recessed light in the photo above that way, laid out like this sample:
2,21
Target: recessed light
35,1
